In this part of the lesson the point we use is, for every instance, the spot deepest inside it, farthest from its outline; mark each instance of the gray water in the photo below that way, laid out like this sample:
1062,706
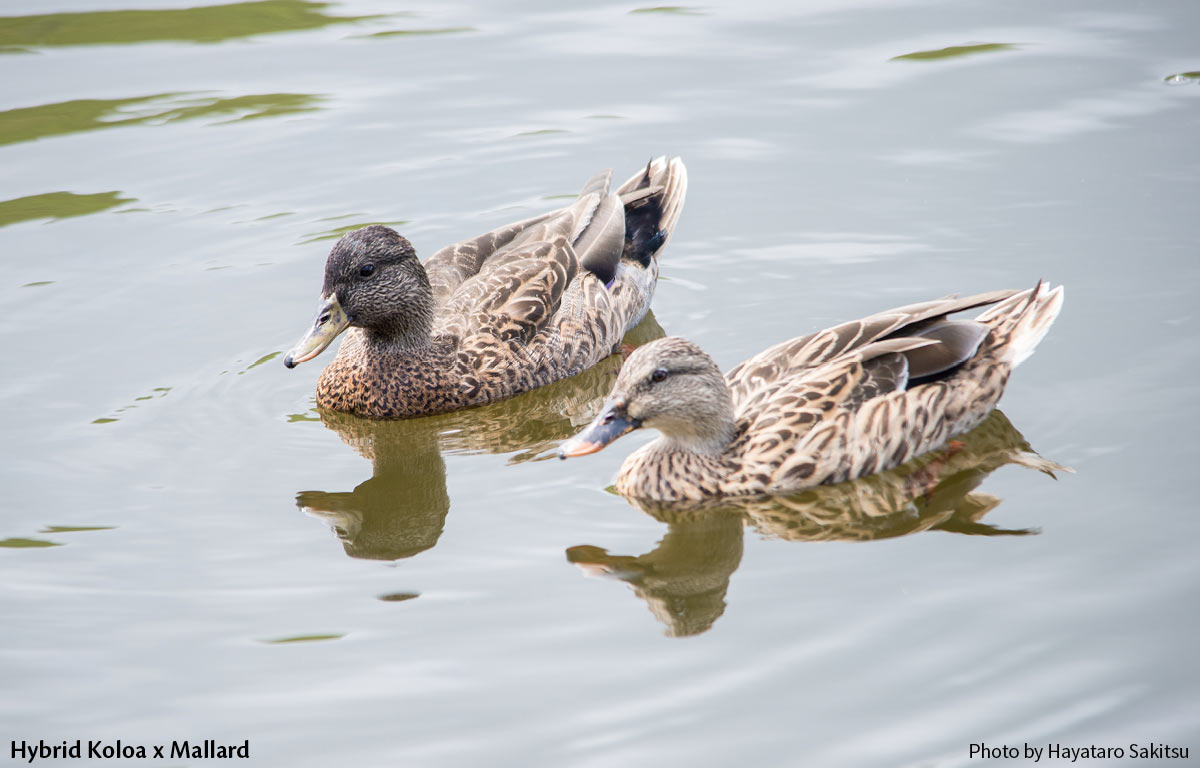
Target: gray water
176,509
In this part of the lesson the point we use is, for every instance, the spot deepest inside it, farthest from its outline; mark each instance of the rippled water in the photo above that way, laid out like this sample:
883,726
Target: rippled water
190,552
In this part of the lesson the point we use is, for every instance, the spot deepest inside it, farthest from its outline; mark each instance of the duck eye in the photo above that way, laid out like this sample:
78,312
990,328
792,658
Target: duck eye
658,375
367,270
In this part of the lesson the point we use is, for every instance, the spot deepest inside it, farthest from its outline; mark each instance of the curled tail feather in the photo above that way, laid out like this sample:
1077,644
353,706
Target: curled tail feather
653,200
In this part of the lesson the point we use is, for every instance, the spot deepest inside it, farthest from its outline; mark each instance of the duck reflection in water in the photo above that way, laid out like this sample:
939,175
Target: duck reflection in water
684,579
401,509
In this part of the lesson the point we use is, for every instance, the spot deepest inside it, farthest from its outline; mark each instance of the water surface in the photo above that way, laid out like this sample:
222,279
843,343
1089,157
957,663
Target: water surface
191,551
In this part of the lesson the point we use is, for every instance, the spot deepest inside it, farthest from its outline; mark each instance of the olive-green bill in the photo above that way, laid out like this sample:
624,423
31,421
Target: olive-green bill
331,321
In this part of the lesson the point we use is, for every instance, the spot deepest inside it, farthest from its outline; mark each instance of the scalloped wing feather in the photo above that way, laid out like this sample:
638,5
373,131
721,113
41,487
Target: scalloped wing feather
772,427
756,379
515,297
523,306
456,263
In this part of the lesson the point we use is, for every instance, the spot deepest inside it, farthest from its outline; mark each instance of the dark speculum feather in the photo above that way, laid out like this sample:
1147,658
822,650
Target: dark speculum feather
960,339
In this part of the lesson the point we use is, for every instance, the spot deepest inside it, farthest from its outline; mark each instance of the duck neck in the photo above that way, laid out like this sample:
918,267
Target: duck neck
405,332
710,446
707,432
404,344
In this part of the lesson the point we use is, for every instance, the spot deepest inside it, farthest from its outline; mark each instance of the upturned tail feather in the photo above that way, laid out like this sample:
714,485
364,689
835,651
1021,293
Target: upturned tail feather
1025,319
650,216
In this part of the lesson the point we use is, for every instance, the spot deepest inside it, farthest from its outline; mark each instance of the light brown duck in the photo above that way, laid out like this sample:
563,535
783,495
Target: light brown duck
839,404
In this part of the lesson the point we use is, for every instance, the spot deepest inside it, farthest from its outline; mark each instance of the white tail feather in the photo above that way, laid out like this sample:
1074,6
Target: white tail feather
1034,311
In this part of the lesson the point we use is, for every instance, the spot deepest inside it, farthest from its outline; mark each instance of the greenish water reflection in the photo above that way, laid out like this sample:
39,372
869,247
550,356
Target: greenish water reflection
154,394
336,232
303,639
401,509
29,123
20,543
684,578
419,32
955,51
57,205
1181,78
204,24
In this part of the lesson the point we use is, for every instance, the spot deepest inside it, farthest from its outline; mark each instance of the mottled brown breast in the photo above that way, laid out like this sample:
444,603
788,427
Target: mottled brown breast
392,387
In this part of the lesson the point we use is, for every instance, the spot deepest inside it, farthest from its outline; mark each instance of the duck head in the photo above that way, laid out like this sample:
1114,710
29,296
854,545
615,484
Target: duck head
373,281
670,385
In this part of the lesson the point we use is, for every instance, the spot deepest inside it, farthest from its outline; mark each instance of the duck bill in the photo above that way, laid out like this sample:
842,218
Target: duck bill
331,321
611,423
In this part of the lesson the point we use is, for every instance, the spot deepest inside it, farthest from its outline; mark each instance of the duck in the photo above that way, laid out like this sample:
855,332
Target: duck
839,404
481,320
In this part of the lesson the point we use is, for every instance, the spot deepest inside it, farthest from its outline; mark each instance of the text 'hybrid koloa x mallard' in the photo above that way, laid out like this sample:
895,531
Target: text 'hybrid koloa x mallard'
846,402
514,309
